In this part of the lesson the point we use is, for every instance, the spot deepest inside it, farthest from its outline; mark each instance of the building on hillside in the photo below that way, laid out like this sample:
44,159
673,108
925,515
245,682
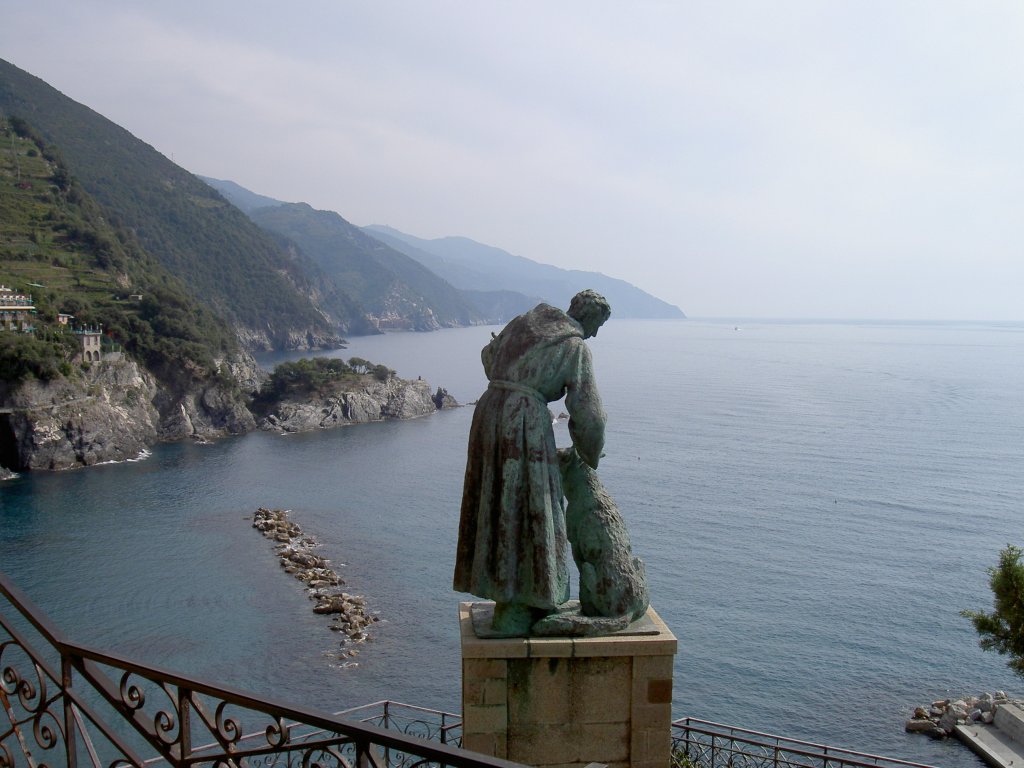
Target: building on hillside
17,311
92,344
64,318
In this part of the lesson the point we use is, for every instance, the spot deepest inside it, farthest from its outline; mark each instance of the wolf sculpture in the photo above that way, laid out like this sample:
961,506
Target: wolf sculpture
613,583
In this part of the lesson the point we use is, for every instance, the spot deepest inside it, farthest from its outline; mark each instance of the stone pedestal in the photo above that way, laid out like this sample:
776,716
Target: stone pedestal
570,701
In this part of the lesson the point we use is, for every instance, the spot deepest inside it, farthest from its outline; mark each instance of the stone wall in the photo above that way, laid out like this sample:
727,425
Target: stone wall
569,701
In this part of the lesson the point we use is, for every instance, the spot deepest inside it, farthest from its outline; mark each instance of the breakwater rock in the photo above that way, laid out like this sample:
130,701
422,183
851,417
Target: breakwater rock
295,552
939,719
369,401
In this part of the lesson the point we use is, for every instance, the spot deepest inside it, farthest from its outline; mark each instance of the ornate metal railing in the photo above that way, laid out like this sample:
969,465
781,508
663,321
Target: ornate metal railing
432,724
704,744
68,704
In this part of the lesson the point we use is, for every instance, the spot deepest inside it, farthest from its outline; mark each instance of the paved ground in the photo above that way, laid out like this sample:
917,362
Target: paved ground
992,745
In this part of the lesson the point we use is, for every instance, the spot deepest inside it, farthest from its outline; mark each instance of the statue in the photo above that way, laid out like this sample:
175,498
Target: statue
513,536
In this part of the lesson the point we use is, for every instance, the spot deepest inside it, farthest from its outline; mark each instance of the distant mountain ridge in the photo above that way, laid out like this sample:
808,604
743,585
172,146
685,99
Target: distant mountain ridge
494,285
470,265
394,291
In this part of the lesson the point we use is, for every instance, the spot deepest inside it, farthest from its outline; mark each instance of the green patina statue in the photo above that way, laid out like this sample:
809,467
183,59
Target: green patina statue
513,537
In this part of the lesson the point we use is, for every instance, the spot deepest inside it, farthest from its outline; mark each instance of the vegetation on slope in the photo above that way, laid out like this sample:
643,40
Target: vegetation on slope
384,281
56,244
318,376
218,253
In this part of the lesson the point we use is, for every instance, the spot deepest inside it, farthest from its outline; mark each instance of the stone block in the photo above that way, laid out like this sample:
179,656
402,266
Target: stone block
653,666
473,691
495,692
600,689
539,690
543,744
650,745
659,691
484,668
560,647
485,720
652,716
604,743
568,702
484,743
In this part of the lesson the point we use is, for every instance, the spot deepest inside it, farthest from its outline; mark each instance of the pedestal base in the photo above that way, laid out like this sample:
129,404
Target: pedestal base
569,701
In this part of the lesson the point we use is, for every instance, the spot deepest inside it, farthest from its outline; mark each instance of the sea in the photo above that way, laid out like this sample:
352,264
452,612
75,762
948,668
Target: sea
815,503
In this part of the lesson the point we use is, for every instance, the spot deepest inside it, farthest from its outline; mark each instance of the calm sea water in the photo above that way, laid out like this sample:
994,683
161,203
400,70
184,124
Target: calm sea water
815,504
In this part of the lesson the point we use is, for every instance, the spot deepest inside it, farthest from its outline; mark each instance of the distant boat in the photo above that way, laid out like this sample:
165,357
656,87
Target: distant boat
736,328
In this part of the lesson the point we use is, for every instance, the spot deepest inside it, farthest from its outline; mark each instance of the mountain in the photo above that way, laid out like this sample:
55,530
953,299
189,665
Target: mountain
385,271
395,291
239,196
470,265
110,350
272,295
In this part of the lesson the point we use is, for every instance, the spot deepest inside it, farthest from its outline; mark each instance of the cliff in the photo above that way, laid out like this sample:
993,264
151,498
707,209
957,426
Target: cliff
116,410
104,414
371,400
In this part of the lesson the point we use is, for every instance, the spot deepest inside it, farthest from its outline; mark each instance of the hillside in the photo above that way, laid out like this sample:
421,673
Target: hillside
469,265
396,292
459,280
238,270
56,245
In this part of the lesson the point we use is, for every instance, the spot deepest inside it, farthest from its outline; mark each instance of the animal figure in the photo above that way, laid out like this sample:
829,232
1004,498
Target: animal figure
613,583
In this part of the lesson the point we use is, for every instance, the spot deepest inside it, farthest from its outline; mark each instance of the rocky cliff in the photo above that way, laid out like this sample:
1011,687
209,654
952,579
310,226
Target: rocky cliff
115,410
104,413
369,401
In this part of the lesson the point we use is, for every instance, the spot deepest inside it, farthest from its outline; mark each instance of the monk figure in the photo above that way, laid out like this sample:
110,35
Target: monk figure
512,534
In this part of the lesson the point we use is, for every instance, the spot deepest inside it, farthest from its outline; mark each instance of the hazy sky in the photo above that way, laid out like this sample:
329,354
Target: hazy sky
798,158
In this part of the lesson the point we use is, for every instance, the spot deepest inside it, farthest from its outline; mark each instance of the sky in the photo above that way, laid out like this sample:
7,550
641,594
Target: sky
779,159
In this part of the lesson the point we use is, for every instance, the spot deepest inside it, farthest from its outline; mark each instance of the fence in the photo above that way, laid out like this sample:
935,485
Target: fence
704,744
67,704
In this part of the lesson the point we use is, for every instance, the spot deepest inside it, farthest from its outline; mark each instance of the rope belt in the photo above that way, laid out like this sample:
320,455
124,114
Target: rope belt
522,389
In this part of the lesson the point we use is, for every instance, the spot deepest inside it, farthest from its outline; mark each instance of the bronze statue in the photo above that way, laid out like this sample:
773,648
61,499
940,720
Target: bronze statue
513,545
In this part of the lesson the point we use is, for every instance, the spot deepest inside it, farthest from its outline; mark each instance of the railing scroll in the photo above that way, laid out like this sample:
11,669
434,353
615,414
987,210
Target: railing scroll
69,704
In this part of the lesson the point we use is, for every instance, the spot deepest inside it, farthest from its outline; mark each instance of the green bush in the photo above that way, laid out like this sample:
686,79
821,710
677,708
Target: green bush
1002,630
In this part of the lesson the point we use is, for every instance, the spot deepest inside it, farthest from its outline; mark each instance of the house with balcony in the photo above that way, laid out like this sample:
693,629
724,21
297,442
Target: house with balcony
17,311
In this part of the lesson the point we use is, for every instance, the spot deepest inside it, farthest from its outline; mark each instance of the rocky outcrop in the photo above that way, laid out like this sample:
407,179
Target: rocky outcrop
244,371
194,405
115,410
442,400
261,340
208,411
941,718
103,413
370,401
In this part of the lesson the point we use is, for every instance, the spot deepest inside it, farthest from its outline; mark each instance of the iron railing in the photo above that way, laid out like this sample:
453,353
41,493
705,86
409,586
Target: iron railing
68,704
704,744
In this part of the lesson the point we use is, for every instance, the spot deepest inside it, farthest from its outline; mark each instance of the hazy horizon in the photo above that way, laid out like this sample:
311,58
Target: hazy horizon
742,160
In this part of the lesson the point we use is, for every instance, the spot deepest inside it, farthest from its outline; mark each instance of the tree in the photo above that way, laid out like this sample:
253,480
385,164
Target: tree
382,372
359,365
1003,629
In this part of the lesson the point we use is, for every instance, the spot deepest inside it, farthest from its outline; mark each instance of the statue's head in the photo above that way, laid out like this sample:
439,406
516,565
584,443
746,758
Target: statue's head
590,309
